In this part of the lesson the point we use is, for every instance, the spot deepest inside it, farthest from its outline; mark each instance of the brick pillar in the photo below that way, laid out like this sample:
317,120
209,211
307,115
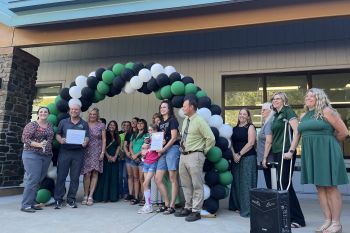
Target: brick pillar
18,74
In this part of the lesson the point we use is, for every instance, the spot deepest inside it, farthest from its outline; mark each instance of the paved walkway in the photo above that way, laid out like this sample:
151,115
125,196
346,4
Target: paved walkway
121,217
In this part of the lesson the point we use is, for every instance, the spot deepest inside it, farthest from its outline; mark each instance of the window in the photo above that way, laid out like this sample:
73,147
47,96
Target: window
251,91
45,94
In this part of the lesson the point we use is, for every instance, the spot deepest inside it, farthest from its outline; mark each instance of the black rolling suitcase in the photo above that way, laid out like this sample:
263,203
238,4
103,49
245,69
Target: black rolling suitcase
269,208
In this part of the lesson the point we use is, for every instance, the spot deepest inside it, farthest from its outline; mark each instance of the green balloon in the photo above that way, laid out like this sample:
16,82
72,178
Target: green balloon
214,154
201,93
118,69
98,97
158,95
102,87
58,98
53,109
108,76
221,165
43,196
225,178
129,65
52,119
165,92
55,144
190,88
55,129
178,88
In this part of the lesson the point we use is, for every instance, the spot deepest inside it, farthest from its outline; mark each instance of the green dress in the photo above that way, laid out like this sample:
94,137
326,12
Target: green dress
107,188
322,161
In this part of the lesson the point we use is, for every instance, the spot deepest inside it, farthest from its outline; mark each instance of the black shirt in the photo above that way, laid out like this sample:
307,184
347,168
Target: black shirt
66,124
167,126
239,139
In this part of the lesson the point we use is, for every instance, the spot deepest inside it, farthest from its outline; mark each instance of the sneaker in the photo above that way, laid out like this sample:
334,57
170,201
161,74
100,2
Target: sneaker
28,210
194,216
58,205
146,209
72,204
183,212
37,207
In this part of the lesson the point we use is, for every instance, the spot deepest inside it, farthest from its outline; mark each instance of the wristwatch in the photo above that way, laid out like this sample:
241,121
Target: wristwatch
239,153
292,151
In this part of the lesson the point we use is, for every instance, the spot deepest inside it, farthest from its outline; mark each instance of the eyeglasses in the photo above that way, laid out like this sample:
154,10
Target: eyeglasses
265,109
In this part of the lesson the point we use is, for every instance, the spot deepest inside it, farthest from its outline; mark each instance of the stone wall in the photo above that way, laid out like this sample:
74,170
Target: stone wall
18,74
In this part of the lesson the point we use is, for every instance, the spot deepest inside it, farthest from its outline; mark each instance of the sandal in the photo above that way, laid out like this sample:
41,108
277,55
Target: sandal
134,202
335,227
295,225
162,209
84,201
325,225
90,201
142,202
169,211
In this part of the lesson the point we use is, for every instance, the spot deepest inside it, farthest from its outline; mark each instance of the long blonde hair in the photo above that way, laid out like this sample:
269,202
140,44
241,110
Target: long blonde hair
97,113
322,102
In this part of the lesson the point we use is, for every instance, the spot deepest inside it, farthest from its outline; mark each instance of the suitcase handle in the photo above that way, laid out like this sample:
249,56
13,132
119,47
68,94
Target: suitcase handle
282,159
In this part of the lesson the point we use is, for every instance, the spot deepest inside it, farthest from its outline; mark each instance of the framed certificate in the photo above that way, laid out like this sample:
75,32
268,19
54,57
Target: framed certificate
75,136
157,141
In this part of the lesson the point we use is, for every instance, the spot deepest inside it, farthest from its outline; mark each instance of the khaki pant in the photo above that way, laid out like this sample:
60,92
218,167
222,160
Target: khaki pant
191,169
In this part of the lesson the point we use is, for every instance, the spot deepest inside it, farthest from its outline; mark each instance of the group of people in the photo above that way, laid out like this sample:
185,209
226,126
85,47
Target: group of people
120,163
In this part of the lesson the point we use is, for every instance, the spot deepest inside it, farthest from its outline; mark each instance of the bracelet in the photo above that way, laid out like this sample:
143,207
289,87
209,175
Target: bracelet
292,151
239,153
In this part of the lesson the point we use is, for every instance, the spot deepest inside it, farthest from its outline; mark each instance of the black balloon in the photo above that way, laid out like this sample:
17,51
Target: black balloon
110,67
144,89
187,80
204,102
64,93
208,166
218,192
177,101
85,104
72,84
118,82
99,73
114,91
152,85
62,106
162,80
92,82
227,154
137,67
215,109
49,184
127,74
173,77
62,115
211,205
87,93
222,143
149,65
193,96
211,178
215,132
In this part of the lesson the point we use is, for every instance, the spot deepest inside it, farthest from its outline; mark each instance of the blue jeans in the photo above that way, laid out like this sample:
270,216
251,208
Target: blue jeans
123,178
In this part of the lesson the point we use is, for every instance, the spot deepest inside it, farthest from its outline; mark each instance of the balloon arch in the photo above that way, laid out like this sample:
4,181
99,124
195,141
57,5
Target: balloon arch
166,83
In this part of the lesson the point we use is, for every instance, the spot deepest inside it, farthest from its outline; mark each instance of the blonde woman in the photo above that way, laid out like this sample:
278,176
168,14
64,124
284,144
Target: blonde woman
322,161
95,151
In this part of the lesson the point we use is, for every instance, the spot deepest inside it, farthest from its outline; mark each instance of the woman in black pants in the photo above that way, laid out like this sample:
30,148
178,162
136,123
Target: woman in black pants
285,113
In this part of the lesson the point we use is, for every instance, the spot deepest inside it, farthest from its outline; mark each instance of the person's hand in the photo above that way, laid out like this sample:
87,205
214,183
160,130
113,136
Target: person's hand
101,156
236,158
164,142
62,141
288,155
43,145
133,156
84,144
161,151
264,162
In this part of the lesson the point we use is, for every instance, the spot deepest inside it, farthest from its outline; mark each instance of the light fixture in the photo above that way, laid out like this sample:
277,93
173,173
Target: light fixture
347,85
280,88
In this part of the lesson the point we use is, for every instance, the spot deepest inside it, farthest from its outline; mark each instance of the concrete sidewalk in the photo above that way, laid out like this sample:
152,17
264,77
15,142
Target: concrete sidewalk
122,217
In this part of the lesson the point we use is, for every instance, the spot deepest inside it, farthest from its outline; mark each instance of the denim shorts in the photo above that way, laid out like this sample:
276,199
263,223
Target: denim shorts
170,159
150,167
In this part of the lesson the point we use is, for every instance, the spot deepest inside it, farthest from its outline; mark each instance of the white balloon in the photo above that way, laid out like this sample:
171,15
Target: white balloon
75,92
216,121
145,75
74,102
225,131
136,83
157,69
81,81
182,75
205,113
52,172
181,113
128,89
169,70
206,190
93,74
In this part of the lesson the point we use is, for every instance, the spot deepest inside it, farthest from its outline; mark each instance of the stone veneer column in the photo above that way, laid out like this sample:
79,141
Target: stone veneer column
18,74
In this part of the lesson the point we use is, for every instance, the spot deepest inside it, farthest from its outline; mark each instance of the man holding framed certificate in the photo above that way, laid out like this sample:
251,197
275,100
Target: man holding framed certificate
73,135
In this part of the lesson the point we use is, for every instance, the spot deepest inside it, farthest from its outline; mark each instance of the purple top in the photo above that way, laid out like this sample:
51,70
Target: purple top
33,132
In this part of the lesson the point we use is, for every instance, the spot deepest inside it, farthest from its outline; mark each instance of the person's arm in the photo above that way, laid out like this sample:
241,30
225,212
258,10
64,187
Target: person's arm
103,144
296,136
207,134
249,145
341,132
267,149
171,142
27,134
86,140
59,138
116,154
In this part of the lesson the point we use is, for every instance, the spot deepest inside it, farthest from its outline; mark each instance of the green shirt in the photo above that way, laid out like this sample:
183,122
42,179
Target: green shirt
122,138
277,128
137,143
199,137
